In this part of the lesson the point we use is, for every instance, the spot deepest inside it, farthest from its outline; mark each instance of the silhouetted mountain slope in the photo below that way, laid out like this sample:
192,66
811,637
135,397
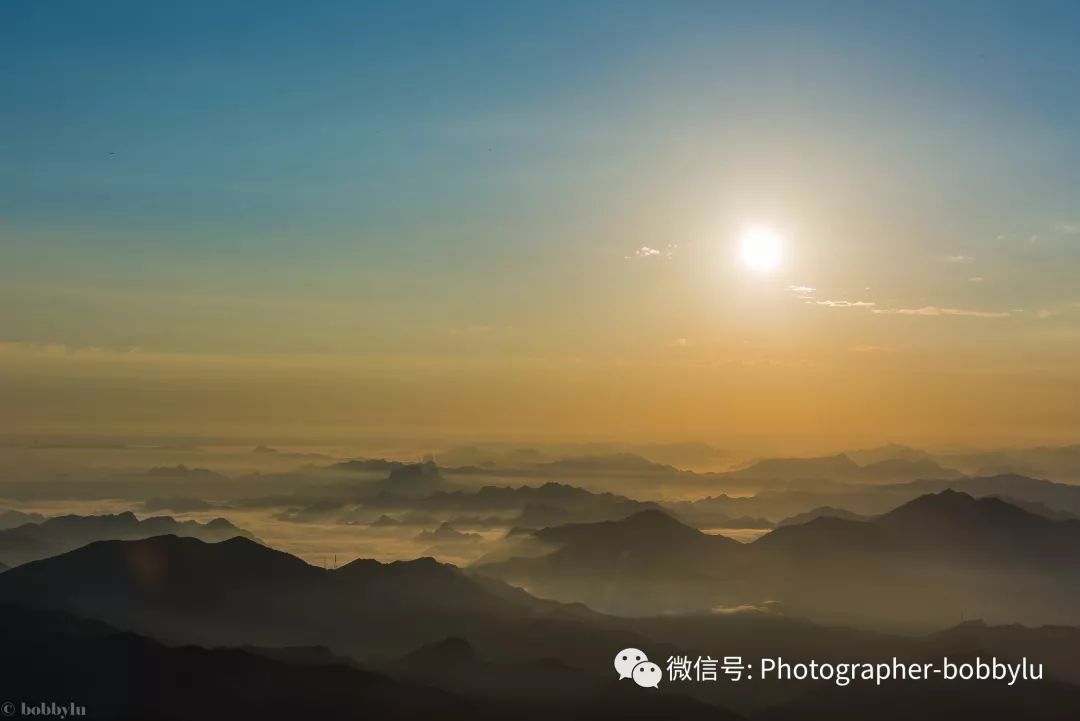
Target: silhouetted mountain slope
621,464
889,451
901,469
821,512
823,536
182,472
412,480
1039,509
650,543
373,465
951,522
1060,462
240,593
542,685
1061,496
779,501
838,467
927,561
1053,646
934,699
121,675
936,556
176,504
641,531
446,533
13,519
32,541
533,506
841,468
625,567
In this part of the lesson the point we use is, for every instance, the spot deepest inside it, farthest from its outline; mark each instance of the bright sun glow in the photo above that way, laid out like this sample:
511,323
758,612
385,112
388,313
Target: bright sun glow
761,248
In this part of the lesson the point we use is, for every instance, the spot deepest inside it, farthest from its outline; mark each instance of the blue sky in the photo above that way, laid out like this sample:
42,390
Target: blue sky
443,179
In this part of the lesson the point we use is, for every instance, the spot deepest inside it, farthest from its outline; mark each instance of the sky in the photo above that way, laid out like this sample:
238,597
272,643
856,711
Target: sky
473,220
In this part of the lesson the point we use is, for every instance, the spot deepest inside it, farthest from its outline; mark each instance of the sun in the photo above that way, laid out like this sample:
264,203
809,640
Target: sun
761,248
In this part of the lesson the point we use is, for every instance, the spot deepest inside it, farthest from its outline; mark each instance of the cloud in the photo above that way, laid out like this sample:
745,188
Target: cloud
801,291
958,259
843,303
933,310
1046,313
646,252
679,343
1071,228
976,279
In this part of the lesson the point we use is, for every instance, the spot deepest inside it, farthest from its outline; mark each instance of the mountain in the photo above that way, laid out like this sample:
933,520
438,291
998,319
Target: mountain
821,512
648,562
952,523
932,699
938,555
1060,462
446,533
904,469
1039,509
714,512
1057,496
1054,646
781,500
838,468
375,465
182,472
452,664
841,468
887,452
13,519
611,464
240,593
926,562
122,675
176,504
53,536
411,481
639,534
549,504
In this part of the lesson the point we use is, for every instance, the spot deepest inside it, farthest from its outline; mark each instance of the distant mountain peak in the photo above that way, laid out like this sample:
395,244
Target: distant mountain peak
952,502
654,518
448,653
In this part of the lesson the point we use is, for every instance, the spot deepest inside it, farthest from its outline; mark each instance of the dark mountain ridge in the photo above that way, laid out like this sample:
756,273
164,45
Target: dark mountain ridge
52,536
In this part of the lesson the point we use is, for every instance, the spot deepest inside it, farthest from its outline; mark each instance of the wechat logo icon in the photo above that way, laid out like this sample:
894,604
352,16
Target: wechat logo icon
632,663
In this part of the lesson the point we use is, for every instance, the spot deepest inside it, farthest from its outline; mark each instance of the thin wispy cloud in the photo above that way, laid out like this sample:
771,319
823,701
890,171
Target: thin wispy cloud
958,259
645,252
804,292
933,311
843,303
